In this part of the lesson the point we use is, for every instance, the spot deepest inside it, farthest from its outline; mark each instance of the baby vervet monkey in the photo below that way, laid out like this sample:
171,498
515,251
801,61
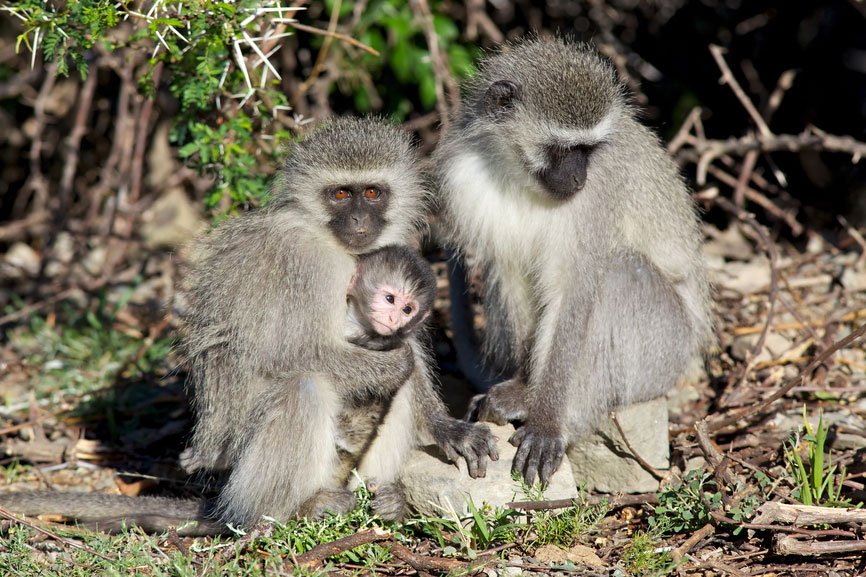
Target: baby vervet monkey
596,292
272,374
390,295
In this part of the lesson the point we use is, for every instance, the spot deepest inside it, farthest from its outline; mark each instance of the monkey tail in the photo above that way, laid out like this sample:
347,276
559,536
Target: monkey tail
111,513
469,359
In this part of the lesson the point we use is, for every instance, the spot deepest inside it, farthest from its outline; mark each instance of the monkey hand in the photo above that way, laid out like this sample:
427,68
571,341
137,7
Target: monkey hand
504,403
472,441
539,452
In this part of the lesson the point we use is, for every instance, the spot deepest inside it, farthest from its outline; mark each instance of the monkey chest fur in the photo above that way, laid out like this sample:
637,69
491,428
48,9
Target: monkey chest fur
502,220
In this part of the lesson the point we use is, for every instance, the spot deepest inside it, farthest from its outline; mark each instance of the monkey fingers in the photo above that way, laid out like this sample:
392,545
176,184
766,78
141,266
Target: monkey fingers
472,441
538,454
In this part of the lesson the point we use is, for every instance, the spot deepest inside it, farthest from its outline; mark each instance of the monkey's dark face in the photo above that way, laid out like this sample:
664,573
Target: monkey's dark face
357,213
565,172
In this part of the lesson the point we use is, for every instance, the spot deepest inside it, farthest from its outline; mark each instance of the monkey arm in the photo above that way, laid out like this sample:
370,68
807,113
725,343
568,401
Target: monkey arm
458,439
356,371
556,374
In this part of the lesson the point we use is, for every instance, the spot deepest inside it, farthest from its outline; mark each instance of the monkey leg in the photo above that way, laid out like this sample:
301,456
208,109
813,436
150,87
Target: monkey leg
639,340
290,456
629,343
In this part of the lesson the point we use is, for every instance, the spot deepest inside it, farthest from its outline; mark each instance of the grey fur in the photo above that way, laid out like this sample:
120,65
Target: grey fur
593,300
111,512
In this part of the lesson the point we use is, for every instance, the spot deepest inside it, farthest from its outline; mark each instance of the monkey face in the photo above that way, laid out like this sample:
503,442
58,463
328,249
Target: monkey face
393,309
357,213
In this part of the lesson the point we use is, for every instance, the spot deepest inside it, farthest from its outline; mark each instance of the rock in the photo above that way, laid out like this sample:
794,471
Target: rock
601,462
580,555
744,277
171,222
550,554
23,258
775,346
729,243
853,280
583,555
94,262
432,483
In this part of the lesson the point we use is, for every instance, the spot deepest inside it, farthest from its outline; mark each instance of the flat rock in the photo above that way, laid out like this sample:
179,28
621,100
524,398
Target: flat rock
775,345
602,461
580,555
433,484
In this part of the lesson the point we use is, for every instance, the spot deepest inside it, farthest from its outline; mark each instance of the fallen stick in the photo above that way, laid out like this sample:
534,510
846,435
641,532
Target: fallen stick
422,563
316,556
775,512
791,545
692,541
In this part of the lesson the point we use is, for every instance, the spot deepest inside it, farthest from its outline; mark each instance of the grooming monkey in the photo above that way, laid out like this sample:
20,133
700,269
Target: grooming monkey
271,368
596,293
391,293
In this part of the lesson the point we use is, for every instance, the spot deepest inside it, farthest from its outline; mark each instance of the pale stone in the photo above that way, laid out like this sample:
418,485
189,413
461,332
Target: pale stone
22,256
583,555
172,221
434,485
94,262
550,554
853,280
602,463
729,243
775,345
744,277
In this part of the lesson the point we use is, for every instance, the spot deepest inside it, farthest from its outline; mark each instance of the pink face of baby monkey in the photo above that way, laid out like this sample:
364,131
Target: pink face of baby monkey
391,309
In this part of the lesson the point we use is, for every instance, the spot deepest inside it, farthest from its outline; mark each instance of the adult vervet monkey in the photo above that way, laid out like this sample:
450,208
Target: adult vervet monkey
596,293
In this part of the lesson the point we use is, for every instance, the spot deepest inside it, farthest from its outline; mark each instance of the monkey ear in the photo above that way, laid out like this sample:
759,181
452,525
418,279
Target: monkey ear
501,97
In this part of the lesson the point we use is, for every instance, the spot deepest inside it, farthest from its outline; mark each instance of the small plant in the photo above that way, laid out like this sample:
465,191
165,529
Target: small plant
484,527
687,506
566,527
643,556
813,478
89,351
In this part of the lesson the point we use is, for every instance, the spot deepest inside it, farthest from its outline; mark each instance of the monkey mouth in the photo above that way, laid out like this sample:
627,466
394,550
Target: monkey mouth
358,240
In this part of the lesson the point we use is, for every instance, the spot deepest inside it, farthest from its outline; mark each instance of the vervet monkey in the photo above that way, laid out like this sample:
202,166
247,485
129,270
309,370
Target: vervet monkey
271,368
587,239
391,293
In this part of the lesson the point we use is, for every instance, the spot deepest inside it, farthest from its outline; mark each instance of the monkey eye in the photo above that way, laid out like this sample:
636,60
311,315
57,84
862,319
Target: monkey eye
407,310
341,194
372,193
390,299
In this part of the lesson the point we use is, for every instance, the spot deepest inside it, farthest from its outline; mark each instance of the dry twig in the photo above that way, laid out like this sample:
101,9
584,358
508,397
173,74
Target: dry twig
732,419
316,556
